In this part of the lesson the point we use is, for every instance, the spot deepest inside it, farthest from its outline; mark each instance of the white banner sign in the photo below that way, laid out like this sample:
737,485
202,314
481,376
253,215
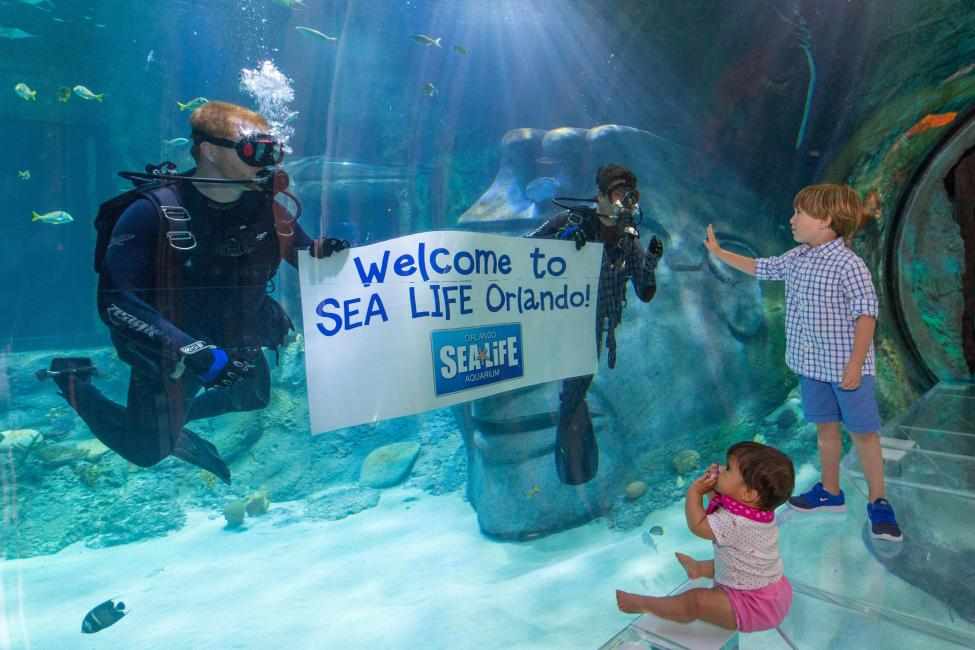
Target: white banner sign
434,319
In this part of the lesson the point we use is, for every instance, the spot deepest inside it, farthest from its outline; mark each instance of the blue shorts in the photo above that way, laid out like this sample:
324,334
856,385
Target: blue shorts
826,402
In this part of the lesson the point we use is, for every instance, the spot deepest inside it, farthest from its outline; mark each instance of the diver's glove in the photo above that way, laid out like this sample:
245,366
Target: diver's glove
575,233
325,246
655,250
214,366
226,370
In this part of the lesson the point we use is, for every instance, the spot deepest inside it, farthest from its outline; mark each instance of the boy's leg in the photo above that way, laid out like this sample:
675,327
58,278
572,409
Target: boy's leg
872,462
710,605
830,451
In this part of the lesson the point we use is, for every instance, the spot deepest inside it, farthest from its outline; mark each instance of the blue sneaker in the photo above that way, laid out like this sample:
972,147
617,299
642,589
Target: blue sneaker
883,524
818,500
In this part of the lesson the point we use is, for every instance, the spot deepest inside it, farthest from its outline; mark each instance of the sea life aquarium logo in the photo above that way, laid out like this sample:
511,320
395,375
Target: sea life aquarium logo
476,356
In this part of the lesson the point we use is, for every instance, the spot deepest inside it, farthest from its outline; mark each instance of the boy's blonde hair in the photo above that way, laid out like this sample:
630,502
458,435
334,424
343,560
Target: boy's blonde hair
223,120
838,203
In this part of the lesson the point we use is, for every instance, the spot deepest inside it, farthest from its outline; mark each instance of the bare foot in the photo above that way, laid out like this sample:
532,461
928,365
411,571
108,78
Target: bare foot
690,565
629,603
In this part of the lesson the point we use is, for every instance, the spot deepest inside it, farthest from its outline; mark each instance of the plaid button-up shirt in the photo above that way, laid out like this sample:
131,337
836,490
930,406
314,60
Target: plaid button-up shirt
827,288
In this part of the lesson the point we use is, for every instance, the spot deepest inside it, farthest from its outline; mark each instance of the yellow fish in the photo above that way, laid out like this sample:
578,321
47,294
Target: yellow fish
460,49
429,89
86,94
64,94
26,92
55,217
24,175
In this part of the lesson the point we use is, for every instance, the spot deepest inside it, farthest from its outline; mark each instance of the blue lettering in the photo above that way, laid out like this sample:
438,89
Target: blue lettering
346,320
375,273
556,260
376,308
436,252
504,264
336,319
413,310
464,255
405,265
423,261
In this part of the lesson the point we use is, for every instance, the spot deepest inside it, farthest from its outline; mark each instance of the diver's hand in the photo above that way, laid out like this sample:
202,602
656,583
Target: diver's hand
655,248
325,246
225,370
712,242
575,233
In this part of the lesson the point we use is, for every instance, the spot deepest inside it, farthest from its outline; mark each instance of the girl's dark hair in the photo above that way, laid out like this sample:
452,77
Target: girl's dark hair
766,470
611,176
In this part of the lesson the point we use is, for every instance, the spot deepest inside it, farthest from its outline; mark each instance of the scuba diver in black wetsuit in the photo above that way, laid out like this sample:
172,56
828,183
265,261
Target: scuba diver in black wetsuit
613,223
184,264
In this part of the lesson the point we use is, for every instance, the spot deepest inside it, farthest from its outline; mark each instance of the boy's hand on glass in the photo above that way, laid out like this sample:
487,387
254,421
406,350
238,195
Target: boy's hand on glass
851,376
711,243
706,482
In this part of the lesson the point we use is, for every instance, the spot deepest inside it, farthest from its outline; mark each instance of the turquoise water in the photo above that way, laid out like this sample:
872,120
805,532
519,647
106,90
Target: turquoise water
449,527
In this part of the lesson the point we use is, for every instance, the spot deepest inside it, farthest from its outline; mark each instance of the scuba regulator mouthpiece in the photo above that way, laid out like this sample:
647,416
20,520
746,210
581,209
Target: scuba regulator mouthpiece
625,210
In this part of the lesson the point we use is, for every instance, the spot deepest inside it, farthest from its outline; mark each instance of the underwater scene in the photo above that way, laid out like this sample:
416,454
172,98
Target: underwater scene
509,324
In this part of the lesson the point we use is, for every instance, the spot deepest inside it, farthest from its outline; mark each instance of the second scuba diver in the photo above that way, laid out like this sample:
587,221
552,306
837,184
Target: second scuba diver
612,223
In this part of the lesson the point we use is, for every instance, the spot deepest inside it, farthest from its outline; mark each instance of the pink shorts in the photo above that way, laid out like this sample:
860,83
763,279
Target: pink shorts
760,609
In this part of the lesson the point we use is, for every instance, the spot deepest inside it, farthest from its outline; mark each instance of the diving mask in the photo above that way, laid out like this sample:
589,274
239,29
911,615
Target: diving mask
626,201
257,149
626,205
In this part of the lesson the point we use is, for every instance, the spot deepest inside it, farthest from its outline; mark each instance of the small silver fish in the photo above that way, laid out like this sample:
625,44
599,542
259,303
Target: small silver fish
193,104
14,33
290,4
25,92
150,58
176,142
86,94
316,33
427,40
55,217
429,89
24,175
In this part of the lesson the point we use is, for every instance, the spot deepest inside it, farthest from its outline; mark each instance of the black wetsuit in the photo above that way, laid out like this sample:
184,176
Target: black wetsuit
576,451
156,299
